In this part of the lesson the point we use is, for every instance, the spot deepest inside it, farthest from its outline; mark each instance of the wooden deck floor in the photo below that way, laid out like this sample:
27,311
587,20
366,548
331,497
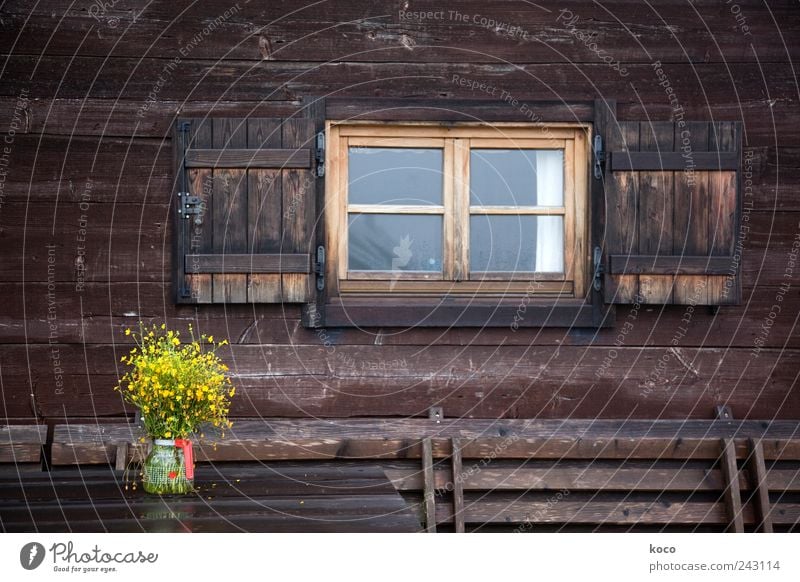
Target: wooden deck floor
241,497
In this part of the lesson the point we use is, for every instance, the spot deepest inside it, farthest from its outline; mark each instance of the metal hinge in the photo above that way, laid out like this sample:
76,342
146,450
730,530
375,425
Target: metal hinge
319,268
190,205
320,154
599,157
597,259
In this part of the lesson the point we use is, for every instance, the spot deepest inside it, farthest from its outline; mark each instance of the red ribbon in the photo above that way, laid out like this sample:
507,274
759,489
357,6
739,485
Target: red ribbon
188,457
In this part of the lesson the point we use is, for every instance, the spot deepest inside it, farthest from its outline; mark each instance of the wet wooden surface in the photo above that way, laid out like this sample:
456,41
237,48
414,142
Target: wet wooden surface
247,497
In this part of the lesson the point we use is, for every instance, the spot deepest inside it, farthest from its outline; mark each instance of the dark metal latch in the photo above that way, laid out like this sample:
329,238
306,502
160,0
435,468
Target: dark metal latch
190,205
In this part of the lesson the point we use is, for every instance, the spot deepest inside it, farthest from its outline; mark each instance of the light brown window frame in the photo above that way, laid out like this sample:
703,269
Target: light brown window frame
456,141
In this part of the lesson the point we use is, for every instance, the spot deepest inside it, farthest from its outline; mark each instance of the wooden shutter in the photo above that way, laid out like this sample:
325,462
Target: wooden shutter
671,212
246,234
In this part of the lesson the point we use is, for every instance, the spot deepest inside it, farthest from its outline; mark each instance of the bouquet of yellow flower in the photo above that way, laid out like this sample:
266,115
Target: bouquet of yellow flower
177,386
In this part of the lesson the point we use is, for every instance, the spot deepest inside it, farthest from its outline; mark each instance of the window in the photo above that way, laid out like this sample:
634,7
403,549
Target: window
428,209
438,223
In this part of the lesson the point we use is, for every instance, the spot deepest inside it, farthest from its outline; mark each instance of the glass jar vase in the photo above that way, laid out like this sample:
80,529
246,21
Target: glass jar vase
164,470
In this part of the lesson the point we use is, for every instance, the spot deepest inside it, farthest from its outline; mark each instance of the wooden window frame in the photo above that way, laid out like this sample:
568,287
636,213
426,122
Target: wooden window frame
456,141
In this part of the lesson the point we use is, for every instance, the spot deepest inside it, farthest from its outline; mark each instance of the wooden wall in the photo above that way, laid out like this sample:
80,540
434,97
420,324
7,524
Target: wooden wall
87,99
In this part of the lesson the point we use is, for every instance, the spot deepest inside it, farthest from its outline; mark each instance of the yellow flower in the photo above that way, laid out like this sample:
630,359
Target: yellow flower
127,332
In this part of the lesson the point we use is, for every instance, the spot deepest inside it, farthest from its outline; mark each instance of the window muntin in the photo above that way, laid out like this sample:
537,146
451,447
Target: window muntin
423,208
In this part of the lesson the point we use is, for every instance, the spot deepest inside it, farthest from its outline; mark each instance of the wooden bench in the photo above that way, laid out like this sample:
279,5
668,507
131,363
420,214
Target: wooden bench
528,475
21,447
693,489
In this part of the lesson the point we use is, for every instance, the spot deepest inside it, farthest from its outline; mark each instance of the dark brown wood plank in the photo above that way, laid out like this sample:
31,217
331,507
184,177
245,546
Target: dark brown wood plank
656,202
669,265
458,485
106,318
760,485
517,510
690,214
595,474
348,313
707,33
732,492
354,439
264,210
350,512
314,377
399,109
199,235
97,77
230,211
622,208
21,443
429,491
299,209
248,158
256,263
723,215
667,160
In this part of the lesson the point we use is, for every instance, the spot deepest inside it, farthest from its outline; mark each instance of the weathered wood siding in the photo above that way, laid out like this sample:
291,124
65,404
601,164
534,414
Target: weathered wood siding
87,100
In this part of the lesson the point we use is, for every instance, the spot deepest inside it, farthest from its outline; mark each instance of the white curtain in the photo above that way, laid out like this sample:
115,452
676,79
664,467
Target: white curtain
550,229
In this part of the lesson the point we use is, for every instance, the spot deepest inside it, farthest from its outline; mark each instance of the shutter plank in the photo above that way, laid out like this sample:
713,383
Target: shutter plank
230,211
690,229
243,159
201,183
265,205
655,210
298,208
722,216
622,207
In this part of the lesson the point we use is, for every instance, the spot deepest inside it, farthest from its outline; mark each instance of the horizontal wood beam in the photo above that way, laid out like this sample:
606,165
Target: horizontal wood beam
243,158
466,313
669,265
477,110
542,510
673,161
261,263
589,475
22,443
280,439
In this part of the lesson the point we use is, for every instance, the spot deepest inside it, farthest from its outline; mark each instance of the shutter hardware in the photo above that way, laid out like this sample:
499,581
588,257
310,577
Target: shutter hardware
320,154
599,157
598,268
190,205
184,127
319,268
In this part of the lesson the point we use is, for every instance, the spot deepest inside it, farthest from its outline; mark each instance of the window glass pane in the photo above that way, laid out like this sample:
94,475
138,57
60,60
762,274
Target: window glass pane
395,242
395,176
516,177
516,243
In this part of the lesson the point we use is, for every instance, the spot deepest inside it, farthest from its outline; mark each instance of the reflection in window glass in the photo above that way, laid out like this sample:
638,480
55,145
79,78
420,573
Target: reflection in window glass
395,176
517,243
395,242
516,177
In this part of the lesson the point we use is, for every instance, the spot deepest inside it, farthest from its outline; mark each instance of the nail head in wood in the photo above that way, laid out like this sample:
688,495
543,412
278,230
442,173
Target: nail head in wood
722,412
